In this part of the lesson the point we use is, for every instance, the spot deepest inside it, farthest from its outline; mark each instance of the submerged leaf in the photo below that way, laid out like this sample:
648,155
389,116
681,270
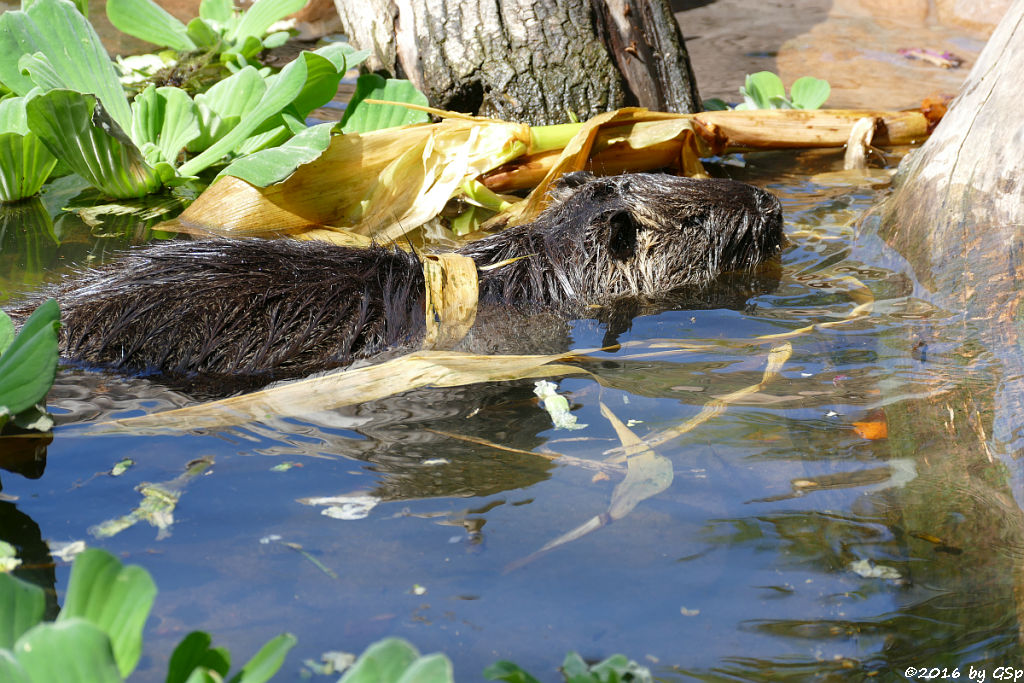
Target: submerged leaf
351,386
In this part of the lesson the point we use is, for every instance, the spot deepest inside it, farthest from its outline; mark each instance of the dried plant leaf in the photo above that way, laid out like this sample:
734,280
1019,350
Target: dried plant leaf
349,387
452,292
380,184
777,357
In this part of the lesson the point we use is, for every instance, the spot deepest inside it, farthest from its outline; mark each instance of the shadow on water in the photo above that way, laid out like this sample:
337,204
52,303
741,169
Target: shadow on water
849,519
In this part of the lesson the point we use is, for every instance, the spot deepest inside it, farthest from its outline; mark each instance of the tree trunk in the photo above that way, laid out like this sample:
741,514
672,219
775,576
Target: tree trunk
523,60
957,214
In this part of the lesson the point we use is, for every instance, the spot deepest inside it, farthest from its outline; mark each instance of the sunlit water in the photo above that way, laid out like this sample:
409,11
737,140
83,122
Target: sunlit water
794,539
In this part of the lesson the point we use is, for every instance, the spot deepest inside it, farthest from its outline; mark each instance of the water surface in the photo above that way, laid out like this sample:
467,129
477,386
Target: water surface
851,518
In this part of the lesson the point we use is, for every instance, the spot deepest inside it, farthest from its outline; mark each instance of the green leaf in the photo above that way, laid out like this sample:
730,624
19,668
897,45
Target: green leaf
221,107
12,116
219,11
575,668
508,671
25,164
71,49
202,675
276,39
147,21
265,663
165,117
113,597
10,670
435,668
284,88
77,131
361,117
194,652
273,165
324,70
203,35
715,104
6,337
810,93
261,15
21,607
29,365
69,651
383,662
763,86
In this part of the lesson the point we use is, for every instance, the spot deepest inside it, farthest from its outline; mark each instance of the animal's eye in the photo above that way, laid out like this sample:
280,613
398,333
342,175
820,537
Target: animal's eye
621,235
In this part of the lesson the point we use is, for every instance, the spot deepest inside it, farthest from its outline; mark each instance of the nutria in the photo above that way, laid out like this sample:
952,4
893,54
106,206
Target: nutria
252,311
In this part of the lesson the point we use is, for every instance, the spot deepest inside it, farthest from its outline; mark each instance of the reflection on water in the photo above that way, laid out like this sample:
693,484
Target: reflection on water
848,519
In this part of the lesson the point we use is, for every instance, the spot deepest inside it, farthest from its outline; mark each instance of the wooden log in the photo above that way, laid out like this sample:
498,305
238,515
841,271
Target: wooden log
523,60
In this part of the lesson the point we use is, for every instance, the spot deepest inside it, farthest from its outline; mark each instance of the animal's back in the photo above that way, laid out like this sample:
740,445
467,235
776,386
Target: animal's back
242,311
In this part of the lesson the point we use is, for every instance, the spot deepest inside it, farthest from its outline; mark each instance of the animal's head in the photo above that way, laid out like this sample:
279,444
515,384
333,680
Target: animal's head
650,234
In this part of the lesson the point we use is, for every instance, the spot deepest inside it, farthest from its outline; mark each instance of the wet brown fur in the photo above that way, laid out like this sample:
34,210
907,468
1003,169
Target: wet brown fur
218,315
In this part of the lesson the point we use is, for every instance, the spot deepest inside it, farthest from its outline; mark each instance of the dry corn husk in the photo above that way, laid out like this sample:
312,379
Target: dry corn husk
350,387
451,297
384,184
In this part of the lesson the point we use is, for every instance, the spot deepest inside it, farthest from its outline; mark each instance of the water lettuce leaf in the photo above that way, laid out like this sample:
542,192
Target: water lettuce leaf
221,107
258,18
22,605
283,88
77,130
273,165
29,364
148,21
166,118
115,598
25,162
361,117
71,52
69,651
808,92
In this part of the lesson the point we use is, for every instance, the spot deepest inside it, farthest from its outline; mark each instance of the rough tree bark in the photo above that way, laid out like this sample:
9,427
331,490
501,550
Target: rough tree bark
528,60
957,213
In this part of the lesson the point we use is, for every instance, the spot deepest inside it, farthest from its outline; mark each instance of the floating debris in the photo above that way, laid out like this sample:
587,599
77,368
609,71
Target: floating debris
65,551
8,557
945,60
556,405
354,506
869,570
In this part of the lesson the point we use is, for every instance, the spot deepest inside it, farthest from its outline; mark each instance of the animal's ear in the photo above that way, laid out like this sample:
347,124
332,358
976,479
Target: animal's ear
621,235
572,180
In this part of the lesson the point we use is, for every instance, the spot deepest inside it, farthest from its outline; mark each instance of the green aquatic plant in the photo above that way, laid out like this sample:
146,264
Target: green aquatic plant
230,36
25,162
614,669
394,660
28,364
75,104
764,90
97,638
